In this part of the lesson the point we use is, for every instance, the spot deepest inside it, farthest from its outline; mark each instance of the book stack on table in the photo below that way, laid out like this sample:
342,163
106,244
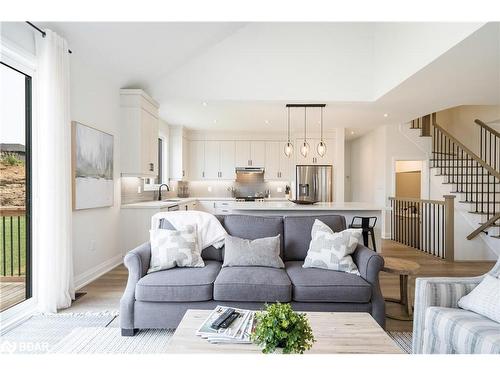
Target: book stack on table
235,329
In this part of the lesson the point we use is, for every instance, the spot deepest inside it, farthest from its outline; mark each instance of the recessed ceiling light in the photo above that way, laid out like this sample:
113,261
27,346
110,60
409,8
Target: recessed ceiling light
215,121
386,115
352,132
204,104
266,121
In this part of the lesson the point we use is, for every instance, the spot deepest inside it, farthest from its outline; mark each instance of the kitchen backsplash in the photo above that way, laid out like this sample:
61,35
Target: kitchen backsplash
217,189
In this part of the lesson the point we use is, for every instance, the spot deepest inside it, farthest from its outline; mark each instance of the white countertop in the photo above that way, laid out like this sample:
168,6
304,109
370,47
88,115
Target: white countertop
290,206
170,202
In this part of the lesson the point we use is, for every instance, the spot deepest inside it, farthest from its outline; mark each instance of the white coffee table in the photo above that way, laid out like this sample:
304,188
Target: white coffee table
335,333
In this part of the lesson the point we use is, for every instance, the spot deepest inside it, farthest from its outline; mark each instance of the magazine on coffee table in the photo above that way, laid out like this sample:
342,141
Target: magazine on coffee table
238,332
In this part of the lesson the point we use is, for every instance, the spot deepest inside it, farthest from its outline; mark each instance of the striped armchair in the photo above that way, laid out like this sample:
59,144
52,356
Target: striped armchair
441,327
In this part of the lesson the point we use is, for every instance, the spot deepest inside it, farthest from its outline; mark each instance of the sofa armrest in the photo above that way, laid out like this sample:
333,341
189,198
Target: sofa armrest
437,291
370,264
137,263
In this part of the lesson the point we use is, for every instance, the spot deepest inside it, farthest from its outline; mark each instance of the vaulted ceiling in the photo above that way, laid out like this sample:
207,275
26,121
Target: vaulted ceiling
240,75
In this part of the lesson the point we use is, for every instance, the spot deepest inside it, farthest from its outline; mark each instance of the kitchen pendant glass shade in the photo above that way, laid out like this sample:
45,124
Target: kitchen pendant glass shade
288,149
321,148
304,149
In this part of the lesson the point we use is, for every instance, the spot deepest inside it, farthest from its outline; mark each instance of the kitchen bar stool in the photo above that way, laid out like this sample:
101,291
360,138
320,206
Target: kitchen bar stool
367,224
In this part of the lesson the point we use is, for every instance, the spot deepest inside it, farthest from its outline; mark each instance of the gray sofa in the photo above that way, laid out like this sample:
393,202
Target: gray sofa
160,299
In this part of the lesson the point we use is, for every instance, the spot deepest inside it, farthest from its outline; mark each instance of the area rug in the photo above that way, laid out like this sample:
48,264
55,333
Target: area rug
41,332
109,340
403,340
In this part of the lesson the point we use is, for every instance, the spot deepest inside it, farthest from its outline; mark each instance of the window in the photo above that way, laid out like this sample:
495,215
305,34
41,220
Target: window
15,191
159,179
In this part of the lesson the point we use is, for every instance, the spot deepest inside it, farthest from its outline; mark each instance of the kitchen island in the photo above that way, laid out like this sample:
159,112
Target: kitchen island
136,217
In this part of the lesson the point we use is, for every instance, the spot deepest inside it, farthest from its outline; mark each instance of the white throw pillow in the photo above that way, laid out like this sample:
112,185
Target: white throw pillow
174,248
330,250
484,299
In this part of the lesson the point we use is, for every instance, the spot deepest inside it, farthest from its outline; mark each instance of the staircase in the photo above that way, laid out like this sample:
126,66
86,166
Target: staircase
474,178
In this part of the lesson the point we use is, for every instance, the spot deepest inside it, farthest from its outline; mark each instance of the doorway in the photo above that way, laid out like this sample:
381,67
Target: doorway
15,189
409,179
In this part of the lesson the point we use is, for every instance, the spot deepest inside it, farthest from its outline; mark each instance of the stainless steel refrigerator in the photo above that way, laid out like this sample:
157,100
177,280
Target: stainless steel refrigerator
314,183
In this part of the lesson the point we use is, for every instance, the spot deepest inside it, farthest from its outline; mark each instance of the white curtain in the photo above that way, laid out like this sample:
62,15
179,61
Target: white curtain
53,205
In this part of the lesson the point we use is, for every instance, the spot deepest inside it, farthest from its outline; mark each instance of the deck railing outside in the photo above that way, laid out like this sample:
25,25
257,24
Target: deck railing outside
427,225
12,242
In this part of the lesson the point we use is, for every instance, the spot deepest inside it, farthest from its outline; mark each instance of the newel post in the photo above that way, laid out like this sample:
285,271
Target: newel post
449,229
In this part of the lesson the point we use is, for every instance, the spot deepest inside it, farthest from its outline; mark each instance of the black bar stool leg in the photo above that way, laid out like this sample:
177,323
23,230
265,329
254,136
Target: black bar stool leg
372,232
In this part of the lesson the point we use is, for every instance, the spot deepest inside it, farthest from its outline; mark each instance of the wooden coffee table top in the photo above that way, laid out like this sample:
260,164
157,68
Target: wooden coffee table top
334,332
400,266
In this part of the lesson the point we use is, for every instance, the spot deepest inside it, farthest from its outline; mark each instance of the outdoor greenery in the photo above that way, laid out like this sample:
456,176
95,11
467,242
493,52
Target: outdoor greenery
18,231
280,327
11,159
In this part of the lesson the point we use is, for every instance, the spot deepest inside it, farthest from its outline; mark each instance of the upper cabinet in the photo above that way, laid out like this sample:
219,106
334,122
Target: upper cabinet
212,160
312,157
179,154
250,153
139,133
278,166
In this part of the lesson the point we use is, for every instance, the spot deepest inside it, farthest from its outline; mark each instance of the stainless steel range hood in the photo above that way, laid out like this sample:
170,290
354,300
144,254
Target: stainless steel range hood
249,174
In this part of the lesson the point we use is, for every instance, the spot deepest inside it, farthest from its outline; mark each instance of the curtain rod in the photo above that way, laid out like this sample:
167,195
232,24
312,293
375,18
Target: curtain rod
41,31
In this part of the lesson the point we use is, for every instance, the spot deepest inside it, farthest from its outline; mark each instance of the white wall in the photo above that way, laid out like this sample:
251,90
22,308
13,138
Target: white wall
95,102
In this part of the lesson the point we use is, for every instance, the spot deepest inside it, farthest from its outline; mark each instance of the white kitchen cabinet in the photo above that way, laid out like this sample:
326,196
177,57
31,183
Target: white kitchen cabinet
312,157
197,160
250,153
226,161
278,165
179,154
139,133
212,160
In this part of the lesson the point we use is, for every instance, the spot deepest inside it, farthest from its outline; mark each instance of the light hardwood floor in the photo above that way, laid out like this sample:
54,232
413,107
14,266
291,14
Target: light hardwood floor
105,292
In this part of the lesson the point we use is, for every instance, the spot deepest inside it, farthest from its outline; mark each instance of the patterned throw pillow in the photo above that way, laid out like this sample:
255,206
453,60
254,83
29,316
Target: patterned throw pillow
174,248
332,251
484,299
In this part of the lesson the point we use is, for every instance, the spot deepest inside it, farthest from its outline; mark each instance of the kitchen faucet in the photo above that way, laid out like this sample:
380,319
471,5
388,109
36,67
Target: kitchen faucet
159,190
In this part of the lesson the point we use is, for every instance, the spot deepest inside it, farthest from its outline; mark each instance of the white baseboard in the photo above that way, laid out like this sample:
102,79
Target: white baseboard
97,271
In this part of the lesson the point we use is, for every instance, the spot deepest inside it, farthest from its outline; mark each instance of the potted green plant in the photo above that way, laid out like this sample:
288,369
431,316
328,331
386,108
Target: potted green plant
278,326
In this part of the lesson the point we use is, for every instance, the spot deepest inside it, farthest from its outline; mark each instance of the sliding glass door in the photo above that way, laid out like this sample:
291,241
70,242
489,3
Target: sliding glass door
15,187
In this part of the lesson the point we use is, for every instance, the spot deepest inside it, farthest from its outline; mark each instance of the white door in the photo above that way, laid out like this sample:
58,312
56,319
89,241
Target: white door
197,160
242,153
185,158
227,165
258,153
212,155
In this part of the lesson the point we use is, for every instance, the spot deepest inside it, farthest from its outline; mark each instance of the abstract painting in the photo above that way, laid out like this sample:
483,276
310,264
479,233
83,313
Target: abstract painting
93,184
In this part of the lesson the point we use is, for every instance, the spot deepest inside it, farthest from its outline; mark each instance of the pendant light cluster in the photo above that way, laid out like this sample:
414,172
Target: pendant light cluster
304,148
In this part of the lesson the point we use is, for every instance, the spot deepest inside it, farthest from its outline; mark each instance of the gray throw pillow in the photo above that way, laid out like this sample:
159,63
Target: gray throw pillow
263,252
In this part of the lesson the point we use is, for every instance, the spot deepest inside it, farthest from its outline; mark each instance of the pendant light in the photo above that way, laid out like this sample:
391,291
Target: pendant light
304,149
289,146
321,145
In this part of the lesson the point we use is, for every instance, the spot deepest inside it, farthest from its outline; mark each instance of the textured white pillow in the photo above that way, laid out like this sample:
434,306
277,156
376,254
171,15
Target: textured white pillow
174,248
332,251
484,299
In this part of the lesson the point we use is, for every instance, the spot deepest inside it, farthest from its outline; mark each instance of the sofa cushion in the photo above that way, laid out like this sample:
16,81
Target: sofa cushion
264,252
255,284
297,233
319,285
179,284
253,227
209,253
465,332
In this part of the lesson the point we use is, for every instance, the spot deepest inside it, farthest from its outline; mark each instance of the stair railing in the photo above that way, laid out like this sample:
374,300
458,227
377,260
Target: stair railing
489,149
470,174
426,225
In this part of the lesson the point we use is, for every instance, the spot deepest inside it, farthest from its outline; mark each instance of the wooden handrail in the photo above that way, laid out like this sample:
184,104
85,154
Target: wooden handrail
416,200
487,127
484,226
12,211
469,152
